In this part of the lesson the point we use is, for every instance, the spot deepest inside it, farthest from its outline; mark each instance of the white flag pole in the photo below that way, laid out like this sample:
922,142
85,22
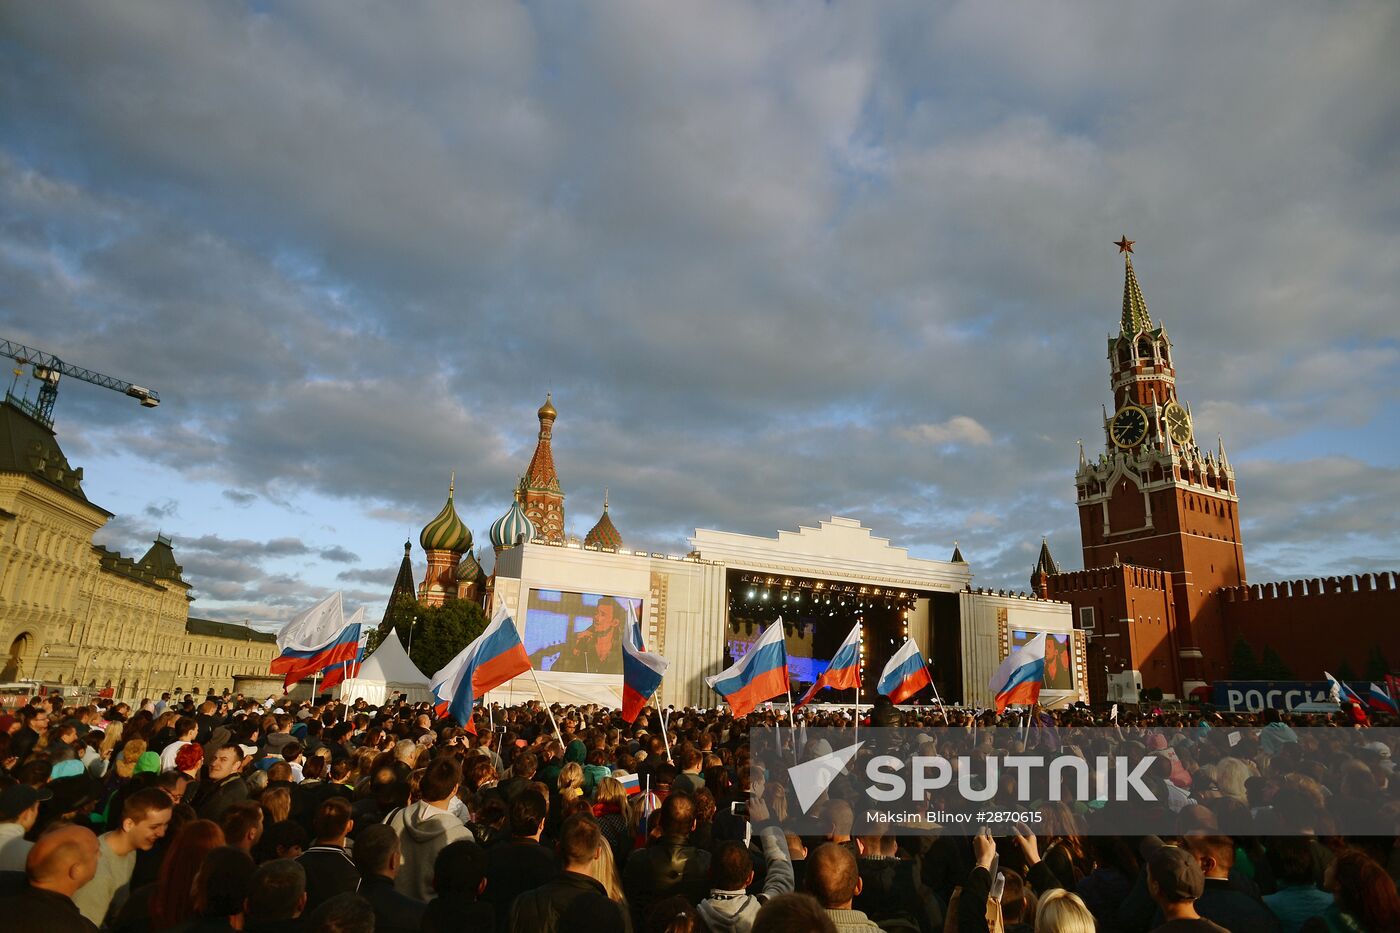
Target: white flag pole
666,732
860,671
557,734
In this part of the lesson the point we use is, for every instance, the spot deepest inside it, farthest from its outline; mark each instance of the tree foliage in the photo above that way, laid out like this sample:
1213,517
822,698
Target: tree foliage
1376,664
438,632
1271,666
1243,664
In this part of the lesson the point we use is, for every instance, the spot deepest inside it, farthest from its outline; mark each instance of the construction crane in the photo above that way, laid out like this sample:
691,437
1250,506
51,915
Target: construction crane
47,369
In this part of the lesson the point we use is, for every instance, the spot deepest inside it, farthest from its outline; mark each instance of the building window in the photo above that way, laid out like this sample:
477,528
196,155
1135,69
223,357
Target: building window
1086,617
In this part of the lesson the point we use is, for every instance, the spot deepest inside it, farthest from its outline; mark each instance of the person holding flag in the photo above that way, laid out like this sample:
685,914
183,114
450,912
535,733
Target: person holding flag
1347,699
905,674
1019,678
315,640
493,658
843,673
641,669
759,675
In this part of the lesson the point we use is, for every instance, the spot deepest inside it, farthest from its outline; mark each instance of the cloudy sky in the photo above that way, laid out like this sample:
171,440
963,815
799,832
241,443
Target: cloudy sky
775,261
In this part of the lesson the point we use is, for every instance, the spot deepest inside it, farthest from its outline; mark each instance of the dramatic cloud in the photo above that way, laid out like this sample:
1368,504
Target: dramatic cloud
774,261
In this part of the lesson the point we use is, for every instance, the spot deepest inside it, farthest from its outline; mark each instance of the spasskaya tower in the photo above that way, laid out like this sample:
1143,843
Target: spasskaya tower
1155,499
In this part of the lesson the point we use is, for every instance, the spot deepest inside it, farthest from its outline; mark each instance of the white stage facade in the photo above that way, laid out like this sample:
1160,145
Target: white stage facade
701,608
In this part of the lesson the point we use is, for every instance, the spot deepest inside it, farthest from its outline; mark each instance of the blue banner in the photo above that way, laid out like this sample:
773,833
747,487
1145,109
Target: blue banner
1251,696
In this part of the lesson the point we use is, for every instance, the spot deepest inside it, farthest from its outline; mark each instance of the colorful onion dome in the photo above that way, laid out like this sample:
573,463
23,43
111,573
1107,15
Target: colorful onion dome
469,570
447,532
605,533
511,527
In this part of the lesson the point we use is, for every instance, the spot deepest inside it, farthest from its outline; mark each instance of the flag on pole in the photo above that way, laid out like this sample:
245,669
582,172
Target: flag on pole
905,674
1381,700
759,675
843,673
341,670
631,783
300,660
494,657
1338,691
642,670
1021,675
313,628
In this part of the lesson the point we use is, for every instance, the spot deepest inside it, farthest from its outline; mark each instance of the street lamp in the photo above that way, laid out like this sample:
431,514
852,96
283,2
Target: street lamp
411,627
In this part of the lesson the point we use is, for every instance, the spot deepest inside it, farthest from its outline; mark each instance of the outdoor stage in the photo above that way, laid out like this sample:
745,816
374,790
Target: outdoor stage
704,609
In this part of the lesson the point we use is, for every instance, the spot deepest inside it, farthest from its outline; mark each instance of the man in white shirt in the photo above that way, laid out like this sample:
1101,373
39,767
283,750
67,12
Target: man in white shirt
144,818
186,728
19,808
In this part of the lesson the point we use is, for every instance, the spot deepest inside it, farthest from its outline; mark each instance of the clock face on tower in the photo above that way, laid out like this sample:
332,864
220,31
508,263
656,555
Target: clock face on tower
1129,426
1178,423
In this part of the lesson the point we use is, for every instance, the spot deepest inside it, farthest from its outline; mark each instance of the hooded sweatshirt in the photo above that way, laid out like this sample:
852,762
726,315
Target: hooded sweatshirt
423,830
734,911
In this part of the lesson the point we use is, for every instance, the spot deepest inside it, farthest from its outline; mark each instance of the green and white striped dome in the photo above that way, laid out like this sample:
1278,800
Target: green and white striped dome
447,532
510,527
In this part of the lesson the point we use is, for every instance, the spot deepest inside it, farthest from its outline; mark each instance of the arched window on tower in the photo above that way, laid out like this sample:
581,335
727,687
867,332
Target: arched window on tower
1125,353
1144,349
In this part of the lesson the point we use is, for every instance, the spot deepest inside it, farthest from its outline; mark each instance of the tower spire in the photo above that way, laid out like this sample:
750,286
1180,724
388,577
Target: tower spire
1135,316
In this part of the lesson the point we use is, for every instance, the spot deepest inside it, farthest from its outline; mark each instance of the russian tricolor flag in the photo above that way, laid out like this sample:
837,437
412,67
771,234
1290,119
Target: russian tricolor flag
759,675
843,673
1381,700
631,783
315,640
495,657
340,670
1338,691
1021,675
905,674
641,669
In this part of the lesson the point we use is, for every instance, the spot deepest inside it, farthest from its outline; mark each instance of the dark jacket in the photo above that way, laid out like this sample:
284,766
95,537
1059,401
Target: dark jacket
393,912
1233,909
513,867
34,910
891,891
562,903
449,913
665,868
329,871
216,798
22,742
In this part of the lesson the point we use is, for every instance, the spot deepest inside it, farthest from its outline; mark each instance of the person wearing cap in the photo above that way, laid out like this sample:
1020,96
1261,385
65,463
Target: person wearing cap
19,810
1175,881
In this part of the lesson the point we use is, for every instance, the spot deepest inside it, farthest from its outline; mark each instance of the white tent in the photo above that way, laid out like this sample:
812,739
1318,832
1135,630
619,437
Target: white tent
385,674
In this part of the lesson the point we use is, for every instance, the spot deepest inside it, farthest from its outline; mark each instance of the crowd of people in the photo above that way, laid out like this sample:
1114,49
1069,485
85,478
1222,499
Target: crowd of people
233,813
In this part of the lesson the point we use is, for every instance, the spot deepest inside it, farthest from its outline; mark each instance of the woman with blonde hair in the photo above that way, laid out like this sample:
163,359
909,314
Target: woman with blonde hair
610,810
1230,777
571,781
277,805
110,738
1060,911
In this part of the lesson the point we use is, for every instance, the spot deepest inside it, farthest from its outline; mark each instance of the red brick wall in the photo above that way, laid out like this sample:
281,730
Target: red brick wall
1316,624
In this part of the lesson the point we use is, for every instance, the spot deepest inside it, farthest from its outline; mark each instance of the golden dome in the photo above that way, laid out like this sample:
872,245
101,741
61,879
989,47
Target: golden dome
547,412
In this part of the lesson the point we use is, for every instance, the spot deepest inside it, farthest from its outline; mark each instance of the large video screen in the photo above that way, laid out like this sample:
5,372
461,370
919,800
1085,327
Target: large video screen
1059,674
802,667
578,633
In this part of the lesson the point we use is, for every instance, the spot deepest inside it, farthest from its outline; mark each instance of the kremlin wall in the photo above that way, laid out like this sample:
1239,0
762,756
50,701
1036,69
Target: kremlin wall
1162,600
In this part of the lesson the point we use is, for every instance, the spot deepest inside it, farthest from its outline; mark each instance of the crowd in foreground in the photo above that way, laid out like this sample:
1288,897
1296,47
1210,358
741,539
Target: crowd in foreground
238,814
